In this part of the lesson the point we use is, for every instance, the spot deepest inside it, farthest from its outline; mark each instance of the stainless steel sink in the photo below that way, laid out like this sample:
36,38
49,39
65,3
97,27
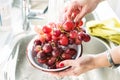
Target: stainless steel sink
18,67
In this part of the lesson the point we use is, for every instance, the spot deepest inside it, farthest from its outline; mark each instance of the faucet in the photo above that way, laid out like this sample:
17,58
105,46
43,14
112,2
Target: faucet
54,8
0,20
25,10
28,13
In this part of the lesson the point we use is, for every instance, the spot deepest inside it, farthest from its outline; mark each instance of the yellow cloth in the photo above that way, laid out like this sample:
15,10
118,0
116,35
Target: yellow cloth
108,29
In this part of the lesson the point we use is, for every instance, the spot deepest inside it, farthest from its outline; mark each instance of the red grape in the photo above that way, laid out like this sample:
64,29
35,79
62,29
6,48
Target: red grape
80,23
47,48
81,35
61,50
48,37
66,56
54,38
56,33
54,44
51,61
87,38
78,41
46,29
73,34
56,53
37,42
41,55
71,51
68,25
42,61
64,41
62,35
37,48
71,41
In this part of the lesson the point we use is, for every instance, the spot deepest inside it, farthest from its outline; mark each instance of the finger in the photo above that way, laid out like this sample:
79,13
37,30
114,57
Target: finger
69,12
82,13
75,13
67,62
66,8
64,73
64,17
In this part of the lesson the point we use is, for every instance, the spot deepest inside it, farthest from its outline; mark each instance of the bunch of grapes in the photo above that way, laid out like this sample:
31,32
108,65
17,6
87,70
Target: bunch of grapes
55,40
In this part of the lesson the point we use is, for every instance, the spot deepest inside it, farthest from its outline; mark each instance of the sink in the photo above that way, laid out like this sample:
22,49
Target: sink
19,68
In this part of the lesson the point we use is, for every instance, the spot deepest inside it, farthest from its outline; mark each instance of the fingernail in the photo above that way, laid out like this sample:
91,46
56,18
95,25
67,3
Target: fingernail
61,65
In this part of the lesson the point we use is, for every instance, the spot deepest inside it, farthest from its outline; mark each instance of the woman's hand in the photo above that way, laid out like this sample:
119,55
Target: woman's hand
88,62
78,66
77,9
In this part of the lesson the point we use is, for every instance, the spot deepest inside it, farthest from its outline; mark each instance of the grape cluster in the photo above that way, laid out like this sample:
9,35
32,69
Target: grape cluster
55,40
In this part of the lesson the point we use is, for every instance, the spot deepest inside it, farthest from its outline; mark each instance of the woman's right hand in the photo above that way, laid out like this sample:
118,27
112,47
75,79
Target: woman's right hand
76,9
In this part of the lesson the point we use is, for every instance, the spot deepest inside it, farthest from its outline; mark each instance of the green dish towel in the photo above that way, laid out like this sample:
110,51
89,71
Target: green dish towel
108,29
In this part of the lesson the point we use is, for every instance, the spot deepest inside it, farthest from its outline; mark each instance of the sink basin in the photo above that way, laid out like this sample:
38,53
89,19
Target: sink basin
19,68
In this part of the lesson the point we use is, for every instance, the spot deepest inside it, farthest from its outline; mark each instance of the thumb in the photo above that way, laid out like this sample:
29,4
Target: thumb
67,63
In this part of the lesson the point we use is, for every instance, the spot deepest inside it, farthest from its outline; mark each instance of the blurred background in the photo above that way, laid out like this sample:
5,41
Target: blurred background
114,4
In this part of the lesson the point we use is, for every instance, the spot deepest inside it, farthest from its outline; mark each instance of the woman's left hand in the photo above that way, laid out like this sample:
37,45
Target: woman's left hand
78,66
